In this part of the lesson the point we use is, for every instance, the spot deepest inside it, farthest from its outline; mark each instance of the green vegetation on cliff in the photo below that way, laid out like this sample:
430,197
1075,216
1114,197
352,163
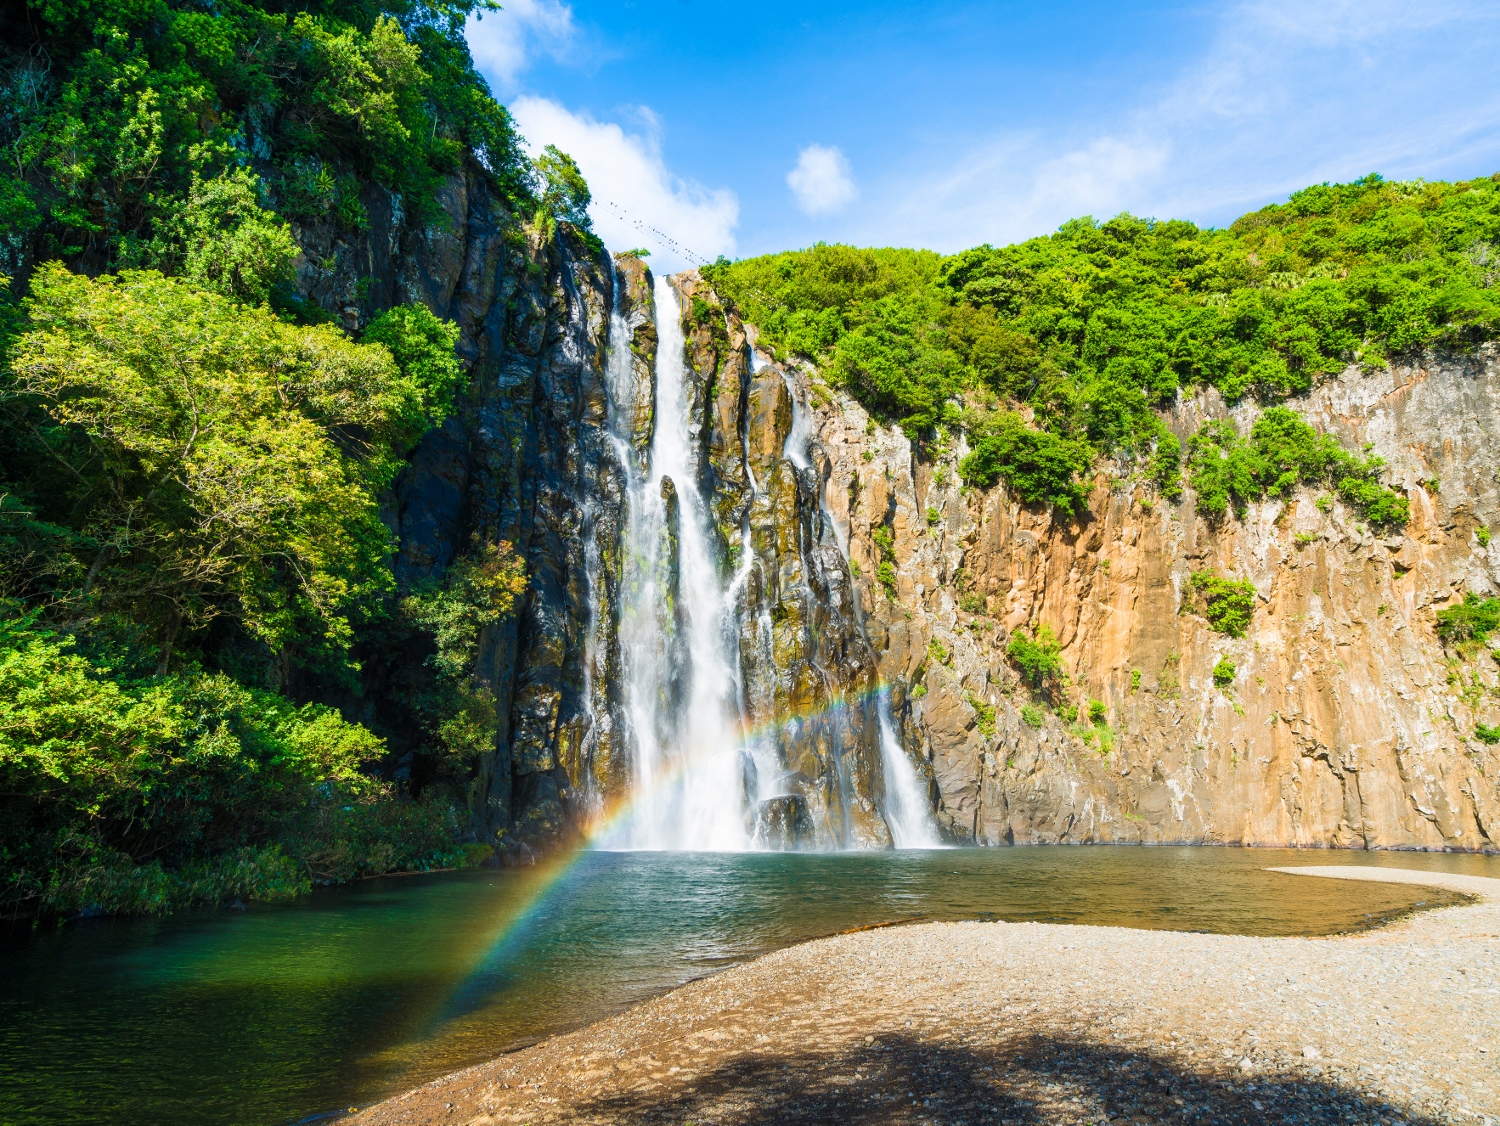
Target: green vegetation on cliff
1094,329
1228,604
1283,452
193,460
118,112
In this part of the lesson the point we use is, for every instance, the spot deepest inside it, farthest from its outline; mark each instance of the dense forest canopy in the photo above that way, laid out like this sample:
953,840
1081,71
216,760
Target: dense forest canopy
1095,328
117,112
192,458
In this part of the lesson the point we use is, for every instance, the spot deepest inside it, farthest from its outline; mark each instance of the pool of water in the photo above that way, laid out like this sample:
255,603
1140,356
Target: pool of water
280,1013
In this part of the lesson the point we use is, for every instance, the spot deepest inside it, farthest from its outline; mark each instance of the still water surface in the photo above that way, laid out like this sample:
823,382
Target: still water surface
280,1013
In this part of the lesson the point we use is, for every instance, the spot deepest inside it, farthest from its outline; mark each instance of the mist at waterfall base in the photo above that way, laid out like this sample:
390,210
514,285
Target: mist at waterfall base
286,1011
696,769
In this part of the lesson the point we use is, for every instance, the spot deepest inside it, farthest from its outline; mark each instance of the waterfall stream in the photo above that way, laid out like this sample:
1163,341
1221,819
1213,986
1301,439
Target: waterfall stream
696,775
905,809
676,628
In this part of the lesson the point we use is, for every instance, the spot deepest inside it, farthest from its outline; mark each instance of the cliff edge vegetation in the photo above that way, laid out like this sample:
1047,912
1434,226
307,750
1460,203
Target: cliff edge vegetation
1062,350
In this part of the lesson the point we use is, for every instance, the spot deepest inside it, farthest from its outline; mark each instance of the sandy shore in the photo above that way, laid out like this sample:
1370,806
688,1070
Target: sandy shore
1033,1023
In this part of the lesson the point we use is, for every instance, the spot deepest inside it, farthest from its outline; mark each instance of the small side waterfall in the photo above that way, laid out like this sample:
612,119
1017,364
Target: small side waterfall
906,810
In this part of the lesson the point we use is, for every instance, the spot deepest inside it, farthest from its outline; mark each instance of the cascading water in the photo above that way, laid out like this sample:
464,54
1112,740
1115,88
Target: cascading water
698,779
906,811
677,629
905,808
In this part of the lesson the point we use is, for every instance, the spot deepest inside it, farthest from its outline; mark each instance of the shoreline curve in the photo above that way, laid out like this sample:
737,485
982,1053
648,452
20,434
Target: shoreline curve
1038,1023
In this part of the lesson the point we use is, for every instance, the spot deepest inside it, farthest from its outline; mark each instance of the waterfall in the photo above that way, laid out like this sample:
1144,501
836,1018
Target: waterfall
698,781
905,809
677,627
799,438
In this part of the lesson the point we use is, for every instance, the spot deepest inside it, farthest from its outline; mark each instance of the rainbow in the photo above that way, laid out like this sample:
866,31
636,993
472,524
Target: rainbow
543,879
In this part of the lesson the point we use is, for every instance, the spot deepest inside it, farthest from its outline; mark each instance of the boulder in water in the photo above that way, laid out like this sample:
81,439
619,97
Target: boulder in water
784,823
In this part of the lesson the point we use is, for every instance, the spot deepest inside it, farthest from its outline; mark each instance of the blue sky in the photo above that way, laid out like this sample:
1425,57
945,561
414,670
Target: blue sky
741,128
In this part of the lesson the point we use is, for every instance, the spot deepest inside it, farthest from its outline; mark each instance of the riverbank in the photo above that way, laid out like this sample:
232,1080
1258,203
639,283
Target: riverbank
971,1022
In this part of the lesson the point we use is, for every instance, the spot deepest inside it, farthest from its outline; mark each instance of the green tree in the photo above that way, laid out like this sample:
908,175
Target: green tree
1040,468
1229,604
423,347
217,460
1473,619
116,111
230,244
565,194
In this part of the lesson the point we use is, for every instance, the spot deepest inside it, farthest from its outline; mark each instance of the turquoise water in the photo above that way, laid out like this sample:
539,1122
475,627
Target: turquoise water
280,1013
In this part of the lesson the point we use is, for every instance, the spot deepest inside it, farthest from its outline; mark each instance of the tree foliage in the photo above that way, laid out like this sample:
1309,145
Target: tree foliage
191,477
189,489
479,591
1282,453
1097,326
116,112
208,458
98,771
1037,466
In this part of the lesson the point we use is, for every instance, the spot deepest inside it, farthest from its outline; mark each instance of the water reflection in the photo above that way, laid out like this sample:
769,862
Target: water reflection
280,1012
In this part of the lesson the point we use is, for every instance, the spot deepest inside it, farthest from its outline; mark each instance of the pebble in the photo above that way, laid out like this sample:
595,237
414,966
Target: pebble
1036,1023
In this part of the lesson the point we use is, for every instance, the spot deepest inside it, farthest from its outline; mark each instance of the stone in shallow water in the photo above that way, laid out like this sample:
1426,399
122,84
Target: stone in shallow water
783,823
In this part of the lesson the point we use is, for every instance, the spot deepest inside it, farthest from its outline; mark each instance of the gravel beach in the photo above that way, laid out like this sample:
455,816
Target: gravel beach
1034,1023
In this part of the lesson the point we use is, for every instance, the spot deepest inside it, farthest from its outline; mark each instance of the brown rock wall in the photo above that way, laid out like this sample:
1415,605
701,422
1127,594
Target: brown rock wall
1347,723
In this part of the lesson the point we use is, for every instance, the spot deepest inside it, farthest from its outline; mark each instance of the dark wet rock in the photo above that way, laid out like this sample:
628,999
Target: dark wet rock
525,459
783,824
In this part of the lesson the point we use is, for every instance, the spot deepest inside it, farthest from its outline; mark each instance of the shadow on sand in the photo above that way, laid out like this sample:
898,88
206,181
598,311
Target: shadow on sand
1032,1081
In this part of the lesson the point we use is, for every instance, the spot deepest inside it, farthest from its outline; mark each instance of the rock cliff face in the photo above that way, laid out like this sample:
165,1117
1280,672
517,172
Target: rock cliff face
527,459
534,458
1347,723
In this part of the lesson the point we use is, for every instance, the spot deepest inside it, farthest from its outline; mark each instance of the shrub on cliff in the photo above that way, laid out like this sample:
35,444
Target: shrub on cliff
1038,467
1283,452
1037,656
1473,619
1229,604
1224,673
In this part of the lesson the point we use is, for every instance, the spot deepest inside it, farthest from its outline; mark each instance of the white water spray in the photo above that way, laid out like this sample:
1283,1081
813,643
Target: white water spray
907,812
681,691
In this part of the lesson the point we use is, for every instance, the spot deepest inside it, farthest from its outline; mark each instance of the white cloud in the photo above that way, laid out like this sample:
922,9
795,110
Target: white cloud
504,42
1288,93
821,180
627,170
